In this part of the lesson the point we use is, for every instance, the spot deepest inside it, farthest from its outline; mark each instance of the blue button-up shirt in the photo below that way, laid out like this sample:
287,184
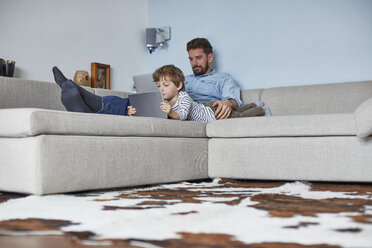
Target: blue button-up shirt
215,86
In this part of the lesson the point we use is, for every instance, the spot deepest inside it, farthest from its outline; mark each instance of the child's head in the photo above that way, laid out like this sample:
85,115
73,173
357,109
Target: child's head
169,73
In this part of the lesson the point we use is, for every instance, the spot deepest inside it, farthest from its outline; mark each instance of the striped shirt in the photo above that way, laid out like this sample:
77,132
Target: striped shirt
187,109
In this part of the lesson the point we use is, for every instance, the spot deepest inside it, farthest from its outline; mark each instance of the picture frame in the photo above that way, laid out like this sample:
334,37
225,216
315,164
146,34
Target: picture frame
100,75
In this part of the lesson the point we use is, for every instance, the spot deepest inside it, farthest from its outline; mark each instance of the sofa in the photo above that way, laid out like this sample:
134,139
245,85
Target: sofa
316,133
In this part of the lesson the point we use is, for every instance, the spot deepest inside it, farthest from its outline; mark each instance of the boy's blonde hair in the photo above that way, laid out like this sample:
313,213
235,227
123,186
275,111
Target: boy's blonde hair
170,72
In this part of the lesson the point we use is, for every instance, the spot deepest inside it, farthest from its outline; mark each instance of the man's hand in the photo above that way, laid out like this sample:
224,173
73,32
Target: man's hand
224,108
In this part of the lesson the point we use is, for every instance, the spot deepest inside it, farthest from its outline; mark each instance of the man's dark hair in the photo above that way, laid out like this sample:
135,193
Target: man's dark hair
200,43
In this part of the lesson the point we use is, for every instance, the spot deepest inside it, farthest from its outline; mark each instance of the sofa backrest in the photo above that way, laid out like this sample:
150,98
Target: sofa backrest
249,96
317,99
292,100
103,92
21,93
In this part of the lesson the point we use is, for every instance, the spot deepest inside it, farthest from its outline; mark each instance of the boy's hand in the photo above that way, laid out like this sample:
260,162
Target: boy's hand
131,111
166,107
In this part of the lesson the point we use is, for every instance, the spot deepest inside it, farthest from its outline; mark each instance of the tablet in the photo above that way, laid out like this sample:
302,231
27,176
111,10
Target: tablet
147,104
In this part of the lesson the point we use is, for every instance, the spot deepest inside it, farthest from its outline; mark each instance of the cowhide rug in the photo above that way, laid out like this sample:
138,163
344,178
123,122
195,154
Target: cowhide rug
219,213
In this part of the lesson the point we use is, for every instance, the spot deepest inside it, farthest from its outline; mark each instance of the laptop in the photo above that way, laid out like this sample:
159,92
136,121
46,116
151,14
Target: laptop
148,104
144,83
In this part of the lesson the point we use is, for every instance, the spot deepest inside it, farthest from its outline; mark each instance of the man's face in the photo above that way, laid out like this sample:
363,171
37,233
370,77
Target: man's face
200,62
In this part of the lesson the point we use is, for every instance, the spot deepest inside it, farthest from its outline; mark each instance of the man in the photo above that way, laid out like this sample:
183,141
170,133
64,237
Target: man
207,86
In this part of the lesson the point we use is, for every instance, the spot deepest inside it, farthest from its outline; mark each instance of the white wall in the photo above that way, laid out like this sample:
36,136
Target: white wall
38,34
268,43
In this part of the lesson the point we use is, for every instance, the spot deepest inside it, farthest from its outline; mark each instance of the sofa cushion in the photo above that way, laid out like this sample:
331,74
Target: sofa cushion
30,122
105,92
363,119
20,93
275,126
317,99
249,96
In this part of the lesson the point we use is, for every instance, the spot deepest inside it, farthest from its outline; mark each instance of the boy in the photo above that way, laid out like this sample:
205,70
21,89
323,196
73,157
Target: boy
180,106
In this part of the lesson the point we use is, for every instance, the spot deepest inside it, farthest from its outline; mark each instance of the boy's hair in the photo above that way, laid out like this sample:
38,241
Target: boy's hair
170,72
200,43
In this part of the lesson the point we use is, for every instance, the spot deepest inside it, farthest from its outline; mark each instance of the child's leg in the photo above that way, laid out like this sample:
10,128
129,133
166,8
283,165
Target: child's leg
92,101
58,76
71,98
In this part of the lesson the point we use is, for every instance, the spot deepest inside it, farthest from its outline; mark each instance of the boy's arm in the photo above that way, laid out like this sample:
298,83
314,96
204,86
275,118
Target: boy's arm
173,115
166,107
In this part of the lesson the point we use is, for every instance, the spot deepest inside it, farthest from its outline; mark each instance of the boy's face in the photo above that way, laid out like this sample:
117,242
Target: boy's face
168,88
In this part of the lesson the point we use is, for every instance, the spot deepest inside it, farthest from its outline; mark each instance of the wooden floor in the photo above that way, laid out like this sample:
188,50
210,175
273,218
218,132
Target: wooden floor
277,205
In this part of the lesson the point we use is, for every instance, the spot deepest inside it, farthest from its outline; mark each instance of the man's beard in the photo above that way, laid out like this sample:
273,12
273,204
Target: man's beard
202,70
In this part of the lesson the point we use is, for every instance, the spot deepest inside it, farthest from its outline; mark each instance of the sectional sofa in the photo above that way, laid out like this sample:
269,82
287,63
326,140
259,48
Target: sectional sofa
317,132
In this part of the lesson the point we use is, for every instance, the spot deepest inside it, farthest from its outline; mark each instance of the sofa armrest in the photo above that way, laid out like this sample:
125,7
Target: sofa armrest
363,119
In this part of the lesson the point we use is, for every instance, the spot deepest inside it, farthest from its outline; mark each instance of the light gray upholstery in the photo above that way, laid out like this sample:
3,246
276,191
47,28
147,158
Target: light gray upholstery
327,158
31,122
104,92
280,126
363,119
15,93
249,96
47,164
317,99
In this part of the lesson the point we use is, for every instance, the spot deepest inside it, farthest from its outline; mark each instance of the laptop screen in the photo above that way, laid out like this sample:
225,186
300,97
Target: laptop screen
144,83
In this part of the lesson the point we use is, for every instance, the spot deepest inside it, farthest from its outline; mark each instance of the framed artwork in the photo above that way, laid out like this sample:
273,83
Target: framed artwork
100,75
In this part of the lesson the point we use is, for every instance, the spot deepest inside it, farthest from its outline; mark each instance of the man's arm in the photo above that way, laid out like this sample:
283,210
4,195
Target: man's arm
230,92
224,108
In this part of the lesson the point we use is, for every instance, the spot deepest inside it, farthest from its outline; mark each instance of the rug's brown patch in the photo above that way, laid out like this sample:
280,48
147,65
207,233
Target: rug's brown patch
185,213
179,195
302,224
164,197
103,200
351,189
352,230
235,183
80,235
8,196
88,195
41,241
155,203
212,240
130,208
187,240
288,206
17,225
225,182
195,194
363,218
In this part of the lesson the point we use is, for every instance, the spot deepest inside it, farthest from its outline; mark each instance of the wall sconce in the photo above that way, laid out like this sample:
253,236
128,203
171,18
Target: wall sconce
156,37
